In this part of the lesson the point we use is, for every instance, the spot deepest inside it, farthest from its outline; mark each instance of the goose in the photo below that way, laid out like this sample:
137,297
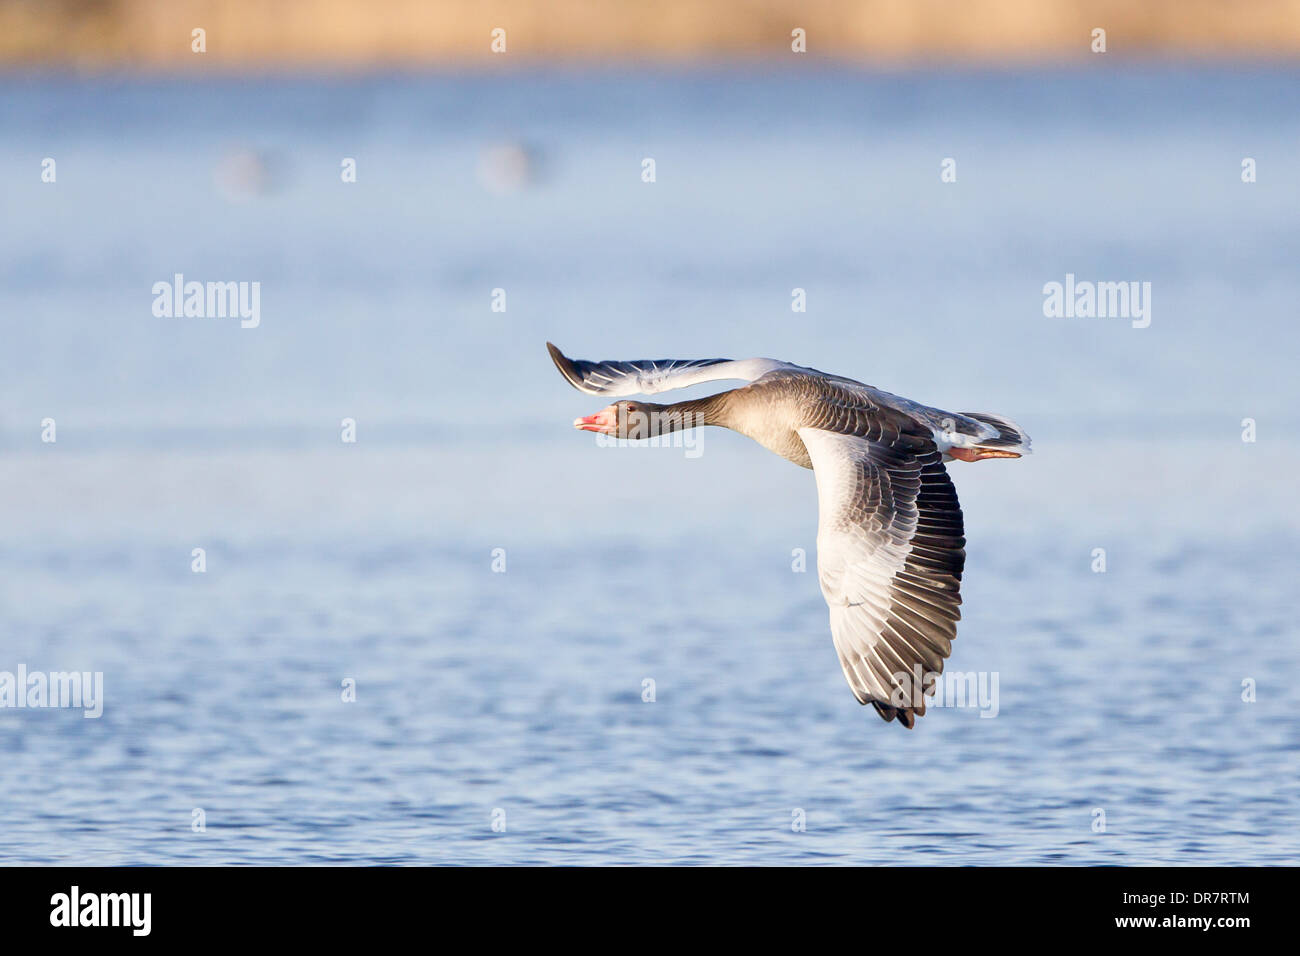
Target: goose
890,538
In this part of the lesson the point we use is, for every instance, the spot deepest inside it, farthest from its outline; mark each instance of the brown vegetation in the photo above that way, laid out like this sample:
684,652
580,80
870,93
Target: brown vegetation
367,34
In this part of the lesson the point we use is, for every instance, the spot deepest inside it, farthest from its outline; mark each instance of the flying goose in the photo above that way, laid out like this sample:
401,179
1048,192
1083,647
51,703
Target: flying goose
890,542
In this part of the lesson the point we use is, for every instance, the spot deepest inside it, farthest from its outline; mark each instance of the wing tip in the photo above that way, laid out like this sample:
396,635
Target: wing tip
566,366
906,715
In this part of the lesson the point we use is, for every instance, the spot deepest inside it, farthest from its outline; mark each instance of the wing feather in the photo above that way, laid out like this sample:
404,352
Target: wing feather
890,554
648,376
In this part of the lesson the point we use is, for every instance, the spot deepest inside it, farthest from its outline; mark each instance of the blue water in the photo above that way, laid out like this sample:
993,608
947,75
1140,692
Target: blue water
520,691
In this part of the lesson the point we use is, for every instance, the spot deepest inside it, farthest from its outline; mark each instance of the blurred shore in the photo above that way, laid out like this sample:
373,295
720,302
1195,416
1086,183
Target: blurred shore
363,34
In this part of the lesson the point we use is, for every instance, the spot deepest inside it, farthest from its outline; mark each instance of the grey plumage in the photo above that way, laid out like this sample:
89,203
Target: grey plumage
890,539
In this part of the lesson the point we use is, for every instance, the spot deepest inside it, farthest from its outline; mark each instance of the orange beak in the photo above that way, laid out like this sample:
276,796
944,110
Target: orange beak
604,421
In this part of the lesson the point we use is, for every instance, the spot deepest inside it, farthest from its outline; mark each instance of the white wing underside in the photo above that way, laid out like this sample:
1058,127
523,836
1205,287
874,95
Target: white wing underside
890,549
649,376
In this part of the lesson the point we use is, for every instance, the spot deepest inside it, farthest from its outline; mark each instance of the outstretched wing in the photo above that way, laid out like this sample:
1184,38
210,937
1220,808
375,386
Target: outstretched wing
890,552
647,376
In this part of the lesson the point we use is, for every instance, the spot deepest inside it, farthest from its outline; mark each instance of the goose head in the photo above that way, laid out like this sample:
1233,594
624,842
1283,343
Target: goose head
631,420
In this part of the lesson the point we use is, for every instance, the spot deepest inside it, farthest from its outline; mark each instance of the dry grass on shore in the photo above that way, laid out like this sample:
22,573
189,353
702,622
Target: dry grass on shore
422,33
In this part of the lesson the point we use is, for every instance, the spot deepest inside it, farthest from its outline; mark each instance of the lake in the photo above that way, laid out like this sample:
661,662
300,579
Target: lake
499,598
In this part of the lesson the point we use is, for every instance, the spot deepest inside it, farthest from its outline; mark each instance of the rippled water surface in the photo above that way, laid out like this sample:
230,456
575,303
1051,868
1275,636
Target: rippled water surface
517,695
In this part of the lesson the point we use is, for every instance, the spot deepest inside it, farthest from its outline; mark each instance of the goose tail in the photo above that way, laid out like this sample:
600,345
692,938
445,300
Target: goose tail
1010,436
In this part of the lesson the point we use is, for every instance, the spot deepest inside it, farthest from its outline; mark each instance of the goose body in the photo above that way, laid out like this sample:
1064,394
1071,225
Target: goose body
890,539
